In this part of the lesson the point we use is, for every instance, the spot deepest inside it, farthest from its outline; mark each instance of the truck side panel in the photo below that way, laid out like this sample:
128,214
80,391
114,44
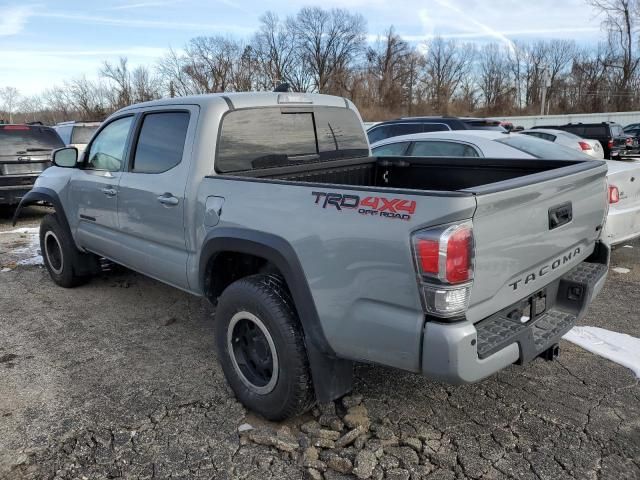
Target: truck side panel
359,265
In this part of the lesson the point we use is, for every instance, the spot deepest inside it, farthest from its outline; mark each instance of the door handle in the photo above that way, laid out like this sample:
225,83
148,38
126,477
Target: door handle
109,192
168,199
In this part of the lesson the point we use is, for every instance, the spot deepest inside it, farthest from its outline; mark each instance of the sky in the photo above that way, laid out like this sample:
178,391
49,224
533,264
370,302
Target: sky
43,43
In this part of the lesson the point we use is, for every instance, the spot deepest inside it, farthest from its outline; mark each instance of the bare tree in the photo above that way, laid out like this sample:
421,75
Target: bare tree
275,49
446,65
621,22
144,85
31,107
173,75
10,97
120,76
328,41
392,64
494,79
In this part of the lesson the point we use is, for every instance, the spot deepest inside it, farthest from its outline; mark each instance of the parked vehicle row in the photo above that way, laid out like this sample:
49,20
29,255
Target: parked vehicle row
25,152
318,254
585,145
623,218
406,126
615,142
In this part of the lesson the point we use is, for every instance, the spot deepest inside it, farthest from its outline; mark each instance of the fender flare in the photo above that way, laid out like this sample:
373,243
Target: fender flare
332,376
82,264
42,194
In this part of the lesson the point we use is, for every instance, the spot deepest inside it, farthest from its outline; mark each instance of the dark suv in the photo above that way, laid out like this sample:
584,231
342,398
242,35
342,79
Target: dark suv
613,139
407,126
25,151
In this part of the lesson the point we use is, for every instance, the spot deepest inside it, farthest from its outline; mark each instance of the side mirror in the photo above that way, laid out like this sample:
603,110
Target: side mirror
65,157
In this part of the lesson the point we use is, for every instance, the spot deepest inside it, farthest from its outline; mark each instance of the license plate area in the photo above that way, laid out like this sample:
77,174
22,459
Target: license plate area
22,168
529,309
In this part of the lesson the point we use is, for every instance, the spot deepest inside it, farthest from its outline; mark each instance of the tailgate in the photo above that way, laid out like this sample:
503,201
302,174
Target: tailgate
524,238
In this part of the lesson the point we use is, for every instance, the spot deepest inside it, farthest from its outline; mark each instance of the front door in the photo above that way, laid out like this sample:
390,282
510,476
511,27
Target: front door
94,189
151,197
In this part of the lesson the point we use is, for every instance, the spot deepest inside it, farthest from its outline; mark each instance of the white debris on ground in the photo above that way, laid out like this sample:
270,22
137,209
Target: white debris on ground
28,254
621,270
617,347
25,230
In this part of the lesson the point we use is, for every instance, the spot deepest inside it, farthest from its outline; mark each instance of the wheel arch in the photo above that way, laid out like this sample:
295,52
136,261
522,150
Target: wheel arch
47,195
332,376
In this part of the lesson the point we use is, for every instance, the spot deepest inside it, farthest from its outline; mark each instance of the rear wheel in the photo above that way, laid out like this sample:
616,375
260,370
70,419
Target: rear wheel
60,254
261,347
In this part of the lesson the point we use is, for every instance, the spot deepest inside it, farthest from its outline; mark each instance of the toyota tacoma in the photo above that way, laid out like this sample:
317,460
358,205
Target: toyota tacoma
318,255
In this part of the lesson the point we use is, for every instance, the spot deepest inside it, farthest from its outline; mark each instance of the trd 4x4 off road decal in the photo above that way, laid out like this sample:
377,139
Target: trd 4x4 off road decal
373,206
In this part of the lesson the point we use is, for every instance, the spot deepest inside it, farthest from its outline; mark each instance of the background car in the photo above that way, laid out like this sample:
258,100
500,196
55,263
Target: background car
25,151
585,145
610,135
623,219
405,126
76,134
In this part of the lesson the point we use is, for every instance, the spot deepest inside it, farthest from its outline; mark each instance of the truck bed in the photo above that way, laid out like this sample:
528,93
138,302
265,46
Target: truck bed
415,173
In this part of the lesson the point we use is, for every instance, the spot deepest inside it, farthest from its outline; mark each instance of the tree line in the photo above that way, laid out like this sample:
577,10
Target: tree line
327,51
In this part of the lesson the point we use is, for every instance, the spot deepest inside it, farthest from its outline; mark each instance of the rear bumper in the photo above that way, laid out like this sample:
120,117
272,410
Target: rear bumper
12,194
466,352
622,225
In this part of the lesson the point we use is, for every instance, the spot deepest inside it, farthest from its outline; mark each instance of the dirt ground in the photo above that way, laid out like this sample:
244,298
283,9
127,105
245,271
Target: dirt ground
119,379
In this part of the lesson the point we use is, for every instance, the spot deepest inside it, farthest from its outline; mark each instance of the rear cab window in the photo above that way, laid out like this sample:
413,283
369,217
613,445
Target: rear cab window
27,139
258,138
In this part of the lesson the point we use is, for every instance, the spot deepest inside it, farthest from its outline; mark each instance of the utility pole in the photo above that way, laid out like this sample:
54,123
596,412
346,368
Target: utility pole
546,83
411,67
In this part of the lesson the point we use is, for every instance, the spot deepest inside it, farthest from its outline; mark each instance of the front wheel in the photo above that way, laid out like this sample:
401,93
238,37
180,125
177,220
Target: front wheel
261,347
59,253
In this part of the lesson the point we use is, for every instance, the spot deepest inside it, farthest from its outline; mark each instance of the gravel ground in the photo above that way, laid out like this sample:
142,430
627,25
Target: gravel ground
119,378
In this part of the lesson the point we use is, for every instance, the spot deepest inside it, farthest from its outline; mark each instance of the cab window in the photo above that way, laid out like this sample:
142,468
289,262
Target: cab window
107,150
391,149
161,142
442,149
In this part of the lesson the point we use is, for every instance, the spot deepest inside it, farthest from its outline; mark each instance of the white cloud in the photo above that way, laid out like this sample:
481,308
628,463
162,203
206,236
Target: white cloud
141,23
131,6
13,19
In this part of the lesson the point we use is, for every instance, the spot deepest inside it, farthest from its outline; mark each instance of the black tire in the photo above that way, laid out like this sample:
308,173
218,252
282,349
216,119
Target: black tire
59,253
289,390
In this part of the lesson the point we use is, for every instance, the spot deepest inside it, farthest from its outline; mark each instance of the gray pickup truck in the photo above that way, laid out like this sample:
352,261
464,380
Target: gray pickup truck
318,255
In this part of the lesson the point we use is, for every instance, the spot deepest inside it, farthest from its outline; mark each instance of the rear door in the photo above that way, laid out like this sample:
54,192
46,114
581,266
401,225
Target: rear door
151,198
527,236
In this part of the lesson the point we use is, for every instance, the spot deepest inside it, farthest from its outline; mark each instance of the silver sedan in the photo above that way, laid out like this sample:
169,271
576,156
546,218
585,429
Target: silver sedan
568,139
623,219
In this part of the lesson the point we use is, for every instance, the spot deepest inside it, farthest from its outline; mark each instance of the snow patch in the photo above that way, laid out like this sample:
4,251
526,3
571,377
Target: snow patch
30,254
617,347
621,270
25,230
627,246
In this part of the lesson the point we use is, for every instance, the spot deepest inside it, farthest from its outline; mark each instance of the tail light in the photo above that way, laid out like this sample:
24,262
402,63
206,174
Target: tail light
444,262
610,143
614,194
629,141
584,146
16,127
